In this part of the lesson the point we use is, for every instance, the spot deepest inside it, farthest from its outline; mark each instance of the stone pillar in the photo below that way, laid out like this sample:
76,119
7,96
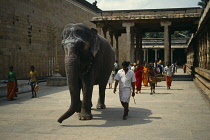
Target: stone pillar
133,56
99,27
202,51
104,32
111,37
167,41
208,49
137,46
145,55
156,58
140,45
56,79
172,52
116,47
128,44
199,51
205,50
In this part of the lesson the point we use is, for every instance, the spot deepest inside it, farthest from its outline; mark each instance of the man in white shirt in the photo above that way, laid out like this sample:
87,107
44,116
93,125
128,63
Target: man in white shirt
127,79
169,72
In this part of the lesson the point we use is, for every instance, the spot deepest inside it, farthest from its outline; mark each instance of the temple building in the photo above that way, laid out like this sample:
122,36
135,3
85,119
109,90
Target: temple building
129,26
30,34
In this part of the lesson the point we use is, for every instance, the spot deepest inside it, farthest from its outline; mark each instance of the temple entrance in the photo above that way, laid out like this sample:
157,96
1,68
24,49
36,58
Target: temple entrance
179,56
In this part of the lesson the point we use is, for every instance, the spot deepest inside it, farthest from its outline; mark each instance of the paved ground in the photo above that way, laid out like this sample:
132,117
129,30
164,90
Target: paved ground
177,114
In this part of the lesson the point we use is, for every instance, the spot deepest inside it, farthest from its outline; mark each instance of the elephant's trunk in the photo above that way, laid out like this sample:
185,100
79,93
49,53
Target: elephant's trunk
72,72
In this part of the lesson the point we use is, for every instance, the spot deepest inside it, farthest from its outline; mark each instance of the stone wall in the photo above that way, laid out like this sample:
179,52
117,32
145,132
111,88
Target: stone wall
198,54
30,31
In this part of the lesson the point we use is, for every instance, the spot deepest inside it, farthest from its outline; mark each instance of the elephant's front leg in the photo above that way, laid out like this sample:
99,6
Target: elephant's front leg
87,100
101,99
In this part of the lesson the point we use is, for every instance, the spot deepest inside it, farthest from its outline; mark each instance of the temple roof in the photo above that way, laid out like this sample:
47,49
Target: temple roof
89,5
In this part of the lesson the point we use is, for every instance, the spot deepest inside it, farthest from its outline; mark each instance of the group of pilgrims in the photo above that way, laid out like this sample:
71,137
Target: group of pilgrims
131,77
148,74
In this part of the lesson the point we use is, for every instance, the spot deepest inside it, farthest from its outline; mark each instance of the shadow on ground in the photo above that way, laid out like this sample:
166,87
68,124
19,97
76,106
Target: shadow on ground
27,95
113,117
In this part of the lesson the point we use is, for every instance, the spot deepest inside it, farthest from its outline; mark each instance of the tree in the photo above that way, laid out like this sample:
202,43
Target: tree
203,3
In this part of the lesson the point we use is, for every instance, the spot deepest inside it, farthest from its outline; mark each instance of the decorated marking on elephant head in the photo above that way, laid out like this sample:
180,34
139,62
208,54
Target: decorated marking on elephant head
79,37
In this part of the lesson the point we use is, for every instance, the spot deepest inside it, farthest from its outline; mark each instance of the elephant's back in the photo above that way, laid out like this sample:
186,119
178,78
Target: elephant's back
104,62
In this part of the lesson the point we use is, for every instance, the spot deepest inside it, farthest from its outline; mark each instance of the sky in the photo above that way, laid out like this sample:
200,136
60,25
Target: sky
143,4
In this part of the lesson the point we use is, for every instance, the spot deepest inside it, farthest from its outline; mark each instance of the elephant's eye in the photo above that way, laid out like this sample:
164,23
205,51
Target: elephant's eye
79,34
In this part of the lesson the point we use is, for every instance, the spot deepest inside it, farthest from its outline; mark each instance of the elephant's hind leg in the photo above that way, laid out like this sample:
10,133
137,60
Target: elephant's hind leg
101,99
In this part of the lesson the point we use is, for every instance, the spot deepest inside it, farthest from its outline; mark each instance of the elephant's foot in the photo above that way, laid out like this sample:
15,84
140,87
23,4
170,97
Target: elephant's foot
101,106
85,116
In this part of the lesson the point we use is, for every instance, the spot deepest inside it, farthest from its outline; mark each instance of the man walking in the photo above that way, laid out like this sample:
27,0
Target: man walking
126,79
169,72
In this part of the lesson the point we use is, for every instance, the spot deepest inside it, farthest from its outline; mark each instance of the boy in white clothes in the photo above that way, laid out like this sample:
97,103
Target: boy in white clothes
127,79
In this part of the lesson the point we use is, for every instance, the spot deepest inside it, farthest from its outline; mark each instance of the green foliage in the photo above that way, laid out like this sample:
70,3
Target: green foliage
153,35
176,34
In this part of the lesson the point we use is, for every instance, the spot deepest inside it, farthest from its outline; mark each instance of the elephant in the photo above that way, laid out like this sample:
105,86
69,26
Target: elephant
89,60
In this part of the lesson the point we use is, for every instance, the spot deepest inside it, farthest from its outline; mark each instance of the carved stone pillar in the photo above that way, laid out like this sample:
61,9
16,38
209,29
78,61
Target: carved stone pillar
199,49
104,32
202,51
208,49
205,50
111,37
128,44
99,27
167,41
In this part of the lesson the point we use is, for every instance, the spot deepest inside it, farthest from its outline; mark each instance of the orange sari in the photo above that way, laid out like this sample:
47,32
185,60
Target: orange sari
145,76
11,90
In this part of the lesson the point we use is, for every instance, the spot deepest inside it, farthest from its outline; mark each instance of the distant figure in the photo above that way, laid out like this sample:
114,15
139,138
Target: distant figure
12,84
95,3
145,75
127,79
133,67
174,68
33,80
152,78
155,63
138,73
116,66
184,68
162,65
111,79
130,65
169,73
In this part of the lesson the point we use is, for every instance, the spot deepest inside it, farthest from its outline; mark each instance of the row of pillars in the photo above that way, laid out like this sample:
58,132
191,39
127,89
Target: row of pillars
133,55
145,56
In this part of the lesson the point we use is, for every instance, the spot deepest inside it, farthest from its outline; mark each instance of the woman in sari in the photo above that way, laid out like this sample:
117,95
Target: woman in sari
152,78
12,84
138,74
145,75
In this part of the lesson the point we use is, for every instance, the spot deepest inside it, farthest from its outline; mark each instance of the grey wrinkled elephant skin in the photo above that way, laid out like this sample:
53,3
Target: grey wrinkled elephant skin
89,60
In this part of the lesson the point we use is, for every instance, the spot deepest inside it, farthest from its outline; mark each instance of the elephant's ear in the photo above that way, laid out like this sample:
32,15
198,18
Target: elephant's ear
95,45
